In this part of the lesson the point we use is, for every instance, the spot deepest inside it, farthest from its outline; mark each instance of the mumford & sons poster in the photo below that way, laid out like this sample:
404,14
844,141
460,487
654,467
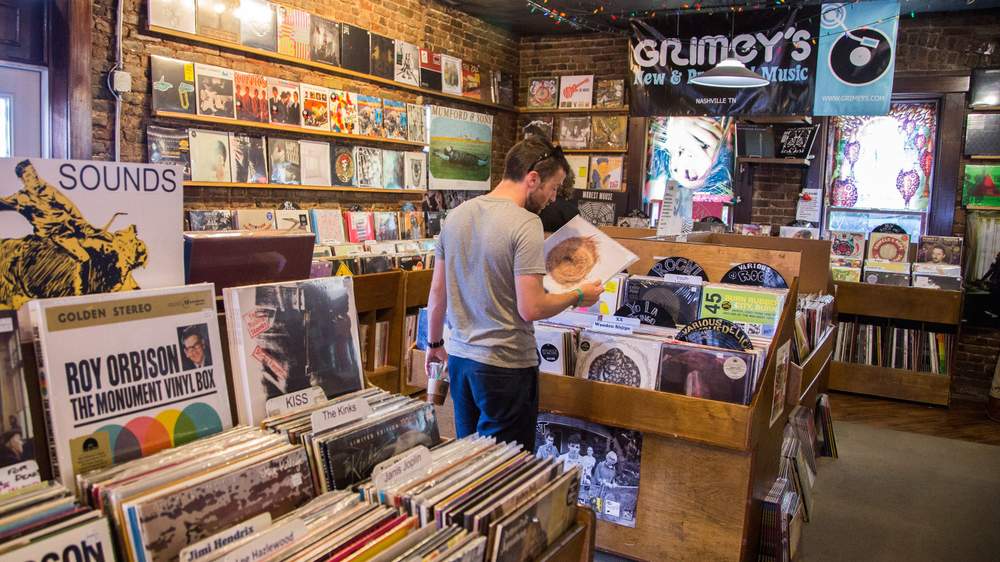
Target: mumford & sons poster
129,374
460,149
74,227
609,459
665,54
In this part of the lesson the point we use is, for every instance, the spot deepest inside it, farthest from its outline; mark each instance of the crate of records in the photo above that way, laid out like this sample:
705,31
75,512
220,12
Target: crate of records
887,257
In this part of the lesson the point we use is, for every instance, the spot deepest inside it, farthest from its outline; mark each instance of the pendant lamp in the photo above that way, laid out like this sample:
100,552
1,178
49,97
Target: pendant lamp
730,73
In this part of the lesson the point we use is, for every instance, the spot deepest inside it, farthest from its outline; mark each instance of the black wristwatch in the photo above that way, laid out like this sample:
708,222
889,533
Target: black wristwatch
436,344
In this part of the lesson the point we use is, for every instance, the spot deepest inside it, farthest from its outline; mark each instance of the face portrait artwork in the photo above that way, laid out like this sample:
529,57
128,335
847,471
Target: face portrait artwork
695,152
195,346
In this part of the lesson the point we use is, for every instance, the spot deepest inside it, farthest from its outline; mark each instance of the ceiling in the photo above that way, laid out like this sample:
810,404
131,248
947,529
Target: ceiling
515,15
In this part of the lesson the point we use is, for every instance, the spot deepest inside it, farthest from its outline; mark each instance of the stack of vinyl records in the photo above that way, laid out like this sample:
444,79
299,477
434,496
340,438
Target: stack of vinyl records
556,346
43,521
824,422
781,526
813,318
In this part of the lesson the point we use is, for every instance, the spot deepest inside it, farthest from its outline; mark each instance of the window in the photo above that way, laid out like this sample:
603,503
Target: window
6,126
883,169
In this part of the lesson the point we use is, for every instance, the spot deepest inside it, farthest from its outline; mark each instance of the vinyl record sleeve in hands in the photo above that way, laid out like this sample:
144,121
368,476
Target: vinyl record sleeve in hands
579,253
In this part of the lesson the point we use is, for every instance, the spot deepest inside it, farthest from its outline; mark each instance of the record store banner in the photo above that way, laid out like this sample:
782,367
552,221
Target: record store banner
857,51
666,53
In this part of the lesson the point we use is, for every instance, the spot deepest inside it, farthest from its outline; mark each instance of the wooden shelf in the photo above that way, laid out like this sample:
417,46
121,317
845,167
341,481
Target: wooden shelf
595,150
386,378
900,384
984,157
306,187
984,107
282,128
779,120
918,304
815,367
322,66
784,161
981,208
527,110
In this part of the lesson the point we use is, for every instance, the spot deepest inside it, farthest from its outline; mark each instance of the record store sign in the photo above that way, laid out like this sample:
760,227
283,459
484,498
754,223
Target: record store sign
666,53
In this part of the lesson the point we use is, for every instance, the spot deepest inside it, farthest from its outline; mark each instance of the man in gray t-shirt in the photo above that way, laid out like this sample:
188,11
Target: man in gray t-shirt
488,282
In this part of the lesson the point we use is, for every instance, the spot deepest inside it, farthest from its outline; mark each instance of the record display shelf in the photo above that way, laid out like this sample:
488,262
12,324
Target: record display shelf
595,150
257,125
553,110
780,161
377,298
416,289
937,307
316,65
416,192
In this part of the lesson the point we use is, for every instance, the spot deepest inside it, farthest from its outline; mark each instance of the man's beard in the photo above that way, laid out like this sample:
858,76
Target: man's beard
531,205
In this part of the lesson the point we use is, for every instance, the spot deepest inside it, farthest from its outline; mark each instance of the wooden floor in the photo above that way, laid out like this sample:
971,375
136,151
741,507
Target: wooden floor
963,420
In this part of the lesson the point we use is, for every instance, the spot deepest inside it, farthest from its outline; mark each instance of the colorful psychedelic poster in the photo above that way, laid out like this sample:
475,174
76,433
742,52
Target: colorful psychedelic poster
460,149
979,185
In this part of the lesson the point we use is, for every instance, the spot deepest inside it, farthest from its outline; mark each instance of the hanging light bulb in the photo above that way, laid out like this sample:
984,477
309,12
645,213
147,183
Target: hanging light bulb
730,73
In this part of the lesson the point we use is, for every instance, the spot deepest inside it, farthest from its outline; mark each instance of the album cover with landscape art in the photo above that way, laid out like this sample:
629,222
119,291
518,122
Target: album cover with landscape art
393,169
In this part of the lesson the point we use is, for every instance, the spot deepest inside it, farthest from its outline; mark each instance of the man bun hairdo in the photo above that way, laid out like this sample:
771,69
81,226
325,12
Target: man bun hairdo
527,152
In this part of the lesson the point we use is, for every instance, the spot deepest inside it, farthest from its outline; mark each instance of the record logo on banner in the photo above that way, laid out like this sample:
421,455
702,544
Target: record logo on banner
857,51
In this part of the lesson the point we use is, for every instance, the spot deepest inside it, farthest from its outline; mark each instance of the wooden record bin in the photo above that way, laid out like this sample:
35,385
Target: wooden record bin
416,289
377,299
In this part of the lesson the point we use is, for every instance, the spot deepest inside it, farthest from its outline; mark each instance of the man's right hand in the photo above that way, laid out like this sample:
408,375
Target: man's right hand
435,355
592,292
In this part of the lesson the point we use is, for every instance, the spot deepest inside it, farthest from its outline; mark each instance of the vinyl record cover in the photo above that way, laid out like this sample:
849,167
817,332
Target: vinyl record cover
369,116
803,233
293,32
293,220
343,112
324,41
343,166
169,389
377,264
706,372
848,245
451,75
945,282
754,274
715,332
411,225
461,144
219,19
415,170
355,49
534,527
755,309
258,27
881,277
574,132
290,336
315,107
255,219
386,225
616,359
471,80
579,252
678,266
251,97
209,156
609,459
416,123
606,172
172,85
608,131
248,159
328,224
411,262
90,540
576,91
178,15
394,119
393,169
214,87
382,55
840,273
320,269
346,267
940,250
21,440
888,246
315,163
543,93
169,146
889,228
680,295
430,70
284,160
551,345
221,219
541,125
283,102
368,166
406,67
609,93
758,230
580,166
598,213
360,227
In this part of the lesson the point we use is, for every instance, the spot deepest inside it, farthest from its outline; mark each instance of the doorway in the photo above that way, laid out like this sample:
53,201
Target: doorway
24,123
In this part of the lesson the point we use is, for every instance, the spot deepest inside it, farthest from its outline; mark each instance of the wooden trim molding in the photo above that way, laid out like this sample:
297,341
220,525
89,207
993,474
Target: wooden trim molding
70,99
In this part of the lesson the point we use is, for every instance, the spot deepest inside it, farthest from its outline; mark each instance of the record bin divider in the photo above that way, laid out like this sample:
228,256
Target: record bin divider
378,297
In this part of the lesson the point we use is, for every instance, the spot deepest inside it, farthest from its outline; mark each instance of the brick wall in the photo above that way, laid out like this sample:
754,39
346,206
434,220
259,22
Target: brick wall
775,193
424,22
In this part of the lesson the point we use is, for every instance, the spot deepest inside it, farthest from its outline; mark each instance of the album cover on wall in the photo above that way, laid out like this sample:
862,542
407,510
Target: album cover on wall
214,86
707,372
258,25
324,41
578,252
393,169
247,158
430,70
940,250
800,232
888,246
292,220
368,166
343,112
609,93
579,165
355,48
251,97
981,132
608,131
284,160
394,119
382,56
255,219
172,85
293,32
847,245
678,295
386,226
451,75
416,123
220,219
543,93
360,227
369,116
576,91
219,19
315,162
328,224
209,156
606,172
178,15
471,80
283,102
574,132
165,145
598,213
343,166
626,360
406,63
411,225
415,170
315,107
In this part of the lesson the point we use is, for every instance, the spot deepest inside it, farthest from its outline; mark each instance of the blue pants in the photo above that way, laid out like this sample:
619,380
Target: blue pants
494,401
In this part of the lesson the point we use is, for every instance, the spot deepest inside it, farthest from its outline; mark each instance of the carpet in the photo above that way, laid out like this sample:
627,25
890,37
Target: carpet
902,496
